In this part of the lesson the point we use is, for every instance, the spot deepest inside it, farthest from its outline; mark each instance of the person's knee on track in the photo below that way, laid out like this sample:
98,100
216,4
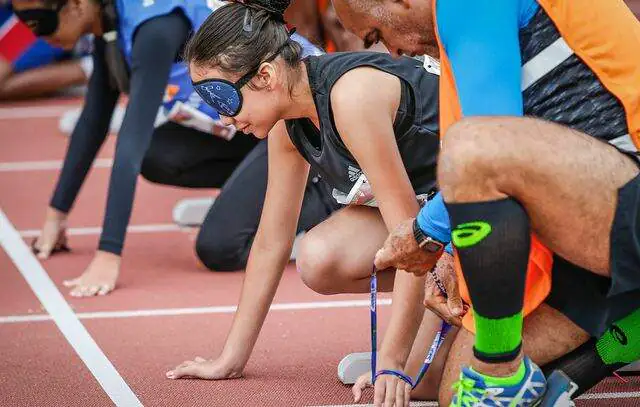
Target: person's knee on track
157,168
219,251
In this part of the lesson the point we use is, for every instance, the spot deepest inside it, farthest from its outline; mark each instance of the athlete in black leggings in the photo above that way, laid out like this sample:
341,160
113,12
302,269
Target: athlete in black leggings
187,158
150,40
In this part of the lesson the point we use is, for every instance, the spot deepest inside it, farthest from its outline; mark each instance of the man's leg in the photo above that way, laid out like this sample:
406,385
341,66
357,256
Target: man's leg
505,177
596,359
547,335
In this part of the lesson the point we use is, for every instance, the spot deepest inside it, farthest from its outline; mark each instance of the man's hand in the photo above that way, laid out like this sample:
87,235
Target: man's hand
401,251
447,305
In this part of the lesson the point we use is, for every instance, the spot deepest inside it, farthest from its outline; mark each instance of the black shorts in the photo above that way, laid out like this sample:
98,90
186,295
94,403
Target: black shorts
583,297
625,238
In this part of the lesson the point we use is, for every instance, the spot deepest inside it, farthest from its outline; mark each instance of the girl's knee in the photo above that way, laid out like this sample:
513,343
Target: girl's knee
315,263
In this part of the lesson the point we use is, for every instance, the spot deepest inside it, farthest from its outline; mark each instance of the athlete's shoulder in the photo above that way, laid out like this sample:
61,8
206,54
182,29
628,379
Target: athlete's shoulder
356,89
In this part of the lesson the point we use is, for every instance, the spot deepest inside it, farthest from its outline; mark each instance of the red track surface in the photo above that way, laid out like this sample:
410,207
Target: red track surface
294,363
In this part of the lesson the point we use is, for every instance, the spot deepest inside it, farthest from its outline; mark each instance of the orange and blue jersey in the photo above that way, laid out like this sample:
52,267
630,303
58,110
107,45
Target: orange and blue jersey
571,62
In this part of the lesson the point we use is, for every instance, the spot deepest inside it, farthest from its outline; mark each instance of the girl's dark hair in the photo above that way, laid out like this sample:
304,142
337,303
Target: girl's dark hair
238,37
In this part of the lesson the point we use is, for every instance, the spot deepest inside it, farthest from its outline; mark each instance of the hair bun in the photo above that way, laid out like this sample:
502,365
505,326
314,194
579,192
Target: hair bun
277,7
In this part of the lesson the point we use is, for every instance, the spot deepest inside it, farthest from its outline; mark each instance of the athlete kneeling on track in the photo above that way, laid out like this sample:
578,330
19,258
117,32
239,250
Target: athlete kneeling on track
561,183
555,333
318,113
362,149
137,51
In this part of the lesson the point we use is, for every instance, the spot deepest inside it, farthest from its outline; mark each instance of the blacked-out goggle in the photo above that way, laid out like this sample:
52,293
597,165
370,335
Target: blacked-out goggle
225,96
42,21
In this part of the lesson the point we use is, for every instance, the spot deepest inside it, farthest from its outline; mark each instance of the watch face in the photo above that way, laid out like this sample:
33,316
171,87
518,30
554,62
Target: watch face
432,247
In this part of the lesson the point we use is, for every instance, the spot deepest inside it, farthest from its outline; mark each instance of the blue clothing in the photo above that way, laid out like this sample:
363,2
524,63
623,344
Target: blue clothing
481,41
482,44
134,13
38,54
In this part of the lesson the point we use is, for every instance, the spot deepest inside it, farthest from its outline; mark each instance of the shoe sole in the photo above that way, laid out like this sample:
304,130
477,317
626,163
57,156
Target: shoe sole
353,366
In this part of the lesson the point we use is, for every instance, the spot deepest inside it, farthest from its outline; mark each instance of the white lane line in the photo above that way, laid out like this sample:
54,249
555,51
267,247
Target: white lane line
228,309
151,228
605,396
34,112
62,314
47,165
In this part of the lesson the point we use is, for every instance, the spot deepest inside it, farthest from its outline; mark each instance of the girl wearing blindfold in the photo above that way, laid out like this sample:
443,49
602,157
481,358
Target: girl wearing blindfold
136,48
367,123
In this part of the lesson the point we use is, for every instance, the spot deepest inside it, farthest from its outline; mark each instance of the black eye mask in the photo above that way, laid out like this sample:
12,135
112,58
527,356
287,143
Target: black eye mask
42,21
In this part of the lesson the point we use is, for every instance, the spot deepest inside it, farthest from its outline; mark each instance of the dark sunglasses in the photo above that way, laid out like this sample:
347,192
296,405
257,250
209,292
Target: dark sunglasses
42,21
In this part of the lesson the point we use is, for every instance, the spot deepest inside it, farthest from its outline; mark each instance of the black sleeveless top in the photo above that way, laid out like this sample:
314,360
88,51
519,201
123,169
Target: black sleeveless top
415,125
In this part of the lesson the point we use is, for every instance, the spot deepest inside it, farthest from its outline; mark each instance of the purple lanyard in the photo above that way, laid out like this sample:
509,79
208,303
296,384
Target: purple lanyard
437,342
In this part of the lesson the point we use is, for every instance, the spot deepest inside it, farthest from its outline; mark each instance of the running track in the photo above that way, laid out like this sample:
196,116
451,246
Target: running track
56,350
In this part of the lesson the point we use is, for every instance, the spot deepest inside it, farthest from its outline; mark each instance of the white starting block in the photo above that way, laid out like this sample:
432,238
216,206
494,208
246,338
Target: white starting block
353,366
68,120
191,212
631,368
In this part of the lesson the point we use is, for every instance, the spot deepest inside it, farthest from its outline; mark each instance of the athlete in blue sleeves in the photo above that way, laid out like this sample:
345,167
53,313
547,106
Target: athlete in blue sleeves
546,59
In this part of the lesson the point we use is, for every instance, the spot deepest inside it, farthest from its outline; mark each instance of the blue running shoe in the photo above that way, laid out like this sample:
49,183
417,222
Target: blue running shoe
473,391
559,391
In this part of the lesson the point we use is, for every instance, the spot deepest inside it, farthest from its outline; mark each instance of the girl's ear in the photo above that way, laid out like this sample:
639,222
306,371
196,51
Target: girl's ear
267,75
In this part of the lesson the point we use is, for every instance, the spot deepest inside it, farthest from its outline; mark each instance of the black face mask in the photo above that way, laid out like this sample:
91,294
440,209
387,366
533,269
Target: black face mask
42,21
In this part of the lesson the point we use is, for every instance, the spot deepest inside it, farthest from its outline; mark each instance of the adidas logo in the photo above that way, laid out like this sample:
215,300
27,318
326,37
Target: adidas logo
354,173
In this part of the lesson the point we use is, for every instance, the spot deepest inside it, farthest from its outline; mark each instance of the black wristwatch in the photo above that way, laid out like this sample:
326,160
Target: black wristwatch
426,243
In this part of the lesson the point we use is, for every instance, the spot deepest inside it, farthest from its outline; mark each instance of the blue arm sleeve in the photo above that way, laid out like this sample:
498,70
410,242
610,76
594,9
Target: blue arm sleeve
433,220
481,41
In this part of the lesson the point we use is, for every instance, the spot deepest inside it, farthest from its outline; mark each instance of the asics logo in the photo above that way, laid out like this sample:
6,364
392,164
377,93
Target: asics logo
470,233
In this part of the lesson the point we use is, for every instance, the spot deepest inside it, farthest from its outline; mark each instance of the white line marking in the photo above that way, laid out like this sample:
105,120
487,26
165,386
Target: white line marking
62,314
47,165
605,396
151,228
227,309
34,112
